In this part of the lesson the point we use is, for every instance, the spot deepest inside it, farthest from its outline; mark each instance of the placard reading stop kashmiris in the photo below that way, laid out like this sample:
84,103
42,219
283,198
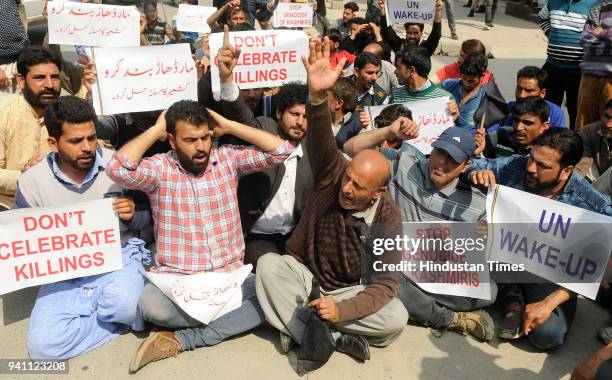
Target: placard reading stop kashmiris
145,78
401,11
293,15
268,58
93,24
45,245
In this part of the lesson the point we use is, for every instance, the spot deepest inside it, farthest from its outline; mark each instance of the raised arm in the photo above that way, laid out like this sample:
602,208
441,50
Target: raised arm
402,128
263,140
326,161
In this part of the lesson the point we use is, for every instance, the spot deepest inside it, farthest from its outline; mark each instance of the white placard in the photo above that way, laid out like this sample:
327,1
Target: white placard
46,245
402,11
431,115
93,24
293,15
204,296
192,18
145,78
558,242
268,58
447,258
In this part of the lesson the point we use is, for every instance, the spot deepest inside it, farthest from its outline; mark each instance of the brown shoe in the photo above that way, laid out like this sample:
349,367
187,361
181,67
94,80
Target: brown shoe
157,346
478,323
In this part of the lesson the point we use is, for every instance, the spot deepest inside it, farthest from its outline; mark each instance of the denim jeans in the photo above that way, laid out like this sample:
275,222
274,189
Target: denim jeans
191,333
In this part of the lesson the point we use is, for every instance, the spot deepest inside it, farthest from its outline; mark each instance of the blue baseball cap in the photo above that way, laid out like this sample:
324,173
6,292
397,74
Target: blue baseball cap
457,142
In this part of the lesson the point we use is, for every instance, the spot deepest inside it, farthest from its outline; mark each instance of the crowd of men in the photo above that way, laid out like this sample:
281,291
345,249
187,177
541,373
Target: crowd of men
288,179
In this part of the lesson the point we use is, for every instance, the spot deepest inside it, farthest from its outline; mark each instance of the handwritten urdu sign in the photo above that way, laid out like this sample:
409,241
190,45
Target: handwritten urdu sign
402,11
45,245
268,58
558,242
204,296
431,115
145,78
93,24
292,15
192,18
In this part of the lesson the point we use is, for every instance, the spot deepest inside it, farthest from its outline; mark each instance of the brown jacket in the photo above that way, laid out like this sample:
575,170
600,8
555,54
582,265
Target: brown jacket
596,149
328,240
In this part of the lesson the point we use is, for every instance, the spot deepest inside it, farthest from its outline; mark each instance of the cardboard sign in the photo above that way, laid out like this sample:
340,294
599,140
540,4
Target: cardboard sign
45,245
402,11
93,24
446,258
192,18
558,242
204,296
145,78
431,115
268,58
293,15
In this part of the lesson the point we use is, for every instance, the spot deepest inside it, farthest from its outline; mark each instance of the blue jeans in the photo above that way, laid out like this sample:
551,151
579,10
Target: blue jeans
552,333
75,316
191,333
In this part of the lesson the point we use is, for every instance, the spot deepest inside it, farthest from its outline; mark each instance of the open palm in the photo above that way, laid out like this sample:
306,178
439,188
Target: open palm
321,74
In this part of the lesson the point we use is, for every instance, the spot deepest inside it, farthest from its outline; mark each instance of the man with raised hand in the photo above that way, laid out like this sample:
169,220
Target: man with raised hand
331,243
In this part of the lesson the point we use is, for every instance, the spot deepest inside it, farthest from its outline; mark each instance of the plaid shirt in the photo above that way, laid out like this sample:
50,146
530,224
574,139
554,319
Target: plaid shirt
197,223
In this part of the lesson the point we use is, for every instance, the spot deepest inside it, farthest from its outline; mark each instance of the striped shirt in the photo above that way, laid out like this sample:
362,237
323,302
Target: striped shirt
417,198
197,223
562,22
598,50
402,95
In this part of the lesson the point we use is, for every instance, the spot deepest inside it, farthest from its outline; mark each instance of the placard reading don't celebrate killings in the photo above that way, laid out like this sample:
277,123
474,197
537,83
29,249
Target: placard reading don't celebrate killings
45,245
268,58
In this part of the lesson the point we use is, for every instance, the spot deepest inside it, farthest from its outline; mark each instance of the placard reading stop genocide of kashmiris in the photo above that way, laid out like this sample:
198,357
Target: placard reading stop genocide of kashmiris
93,24
558,242
431,115
402,11
45,245
145,78
268,58
293,15
192,18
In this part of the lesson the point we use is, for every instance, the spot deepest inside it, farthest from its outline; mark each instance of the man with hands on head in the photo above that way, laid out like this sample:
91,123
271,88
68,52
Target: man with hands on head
331,241
362,34
547,171
196,185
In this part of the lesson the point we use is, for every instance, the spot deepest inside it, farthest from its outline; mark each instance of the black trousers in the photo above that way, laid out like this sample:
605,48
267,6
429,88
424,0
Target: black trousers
257,245
563,82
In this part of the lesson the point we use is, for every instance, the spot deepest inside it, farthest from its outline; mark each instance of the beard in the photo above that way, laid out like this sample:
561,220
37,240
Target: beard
82,163
37,100
190,165
538,187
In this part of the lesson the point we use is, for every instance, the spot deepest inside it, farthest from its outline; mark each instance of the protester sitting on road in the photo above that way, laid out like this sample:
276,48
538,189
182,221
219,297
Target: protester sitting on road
327,246
75,316
189,247
344,24
386,117
342,99
365,73
230,13
547,171
452,69
362,34
432,189
336,54
468,90
530,120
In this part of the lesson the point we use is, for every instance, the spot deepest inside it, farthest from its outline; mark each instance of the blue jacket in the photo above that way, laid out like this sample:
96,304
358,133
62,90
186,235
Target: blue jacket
510,171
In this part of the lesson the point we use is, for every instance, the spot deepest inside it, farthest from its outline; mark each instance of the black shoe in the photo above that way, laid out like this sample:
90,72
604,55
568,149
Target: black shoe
480,9
468,4
354,345
471,14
